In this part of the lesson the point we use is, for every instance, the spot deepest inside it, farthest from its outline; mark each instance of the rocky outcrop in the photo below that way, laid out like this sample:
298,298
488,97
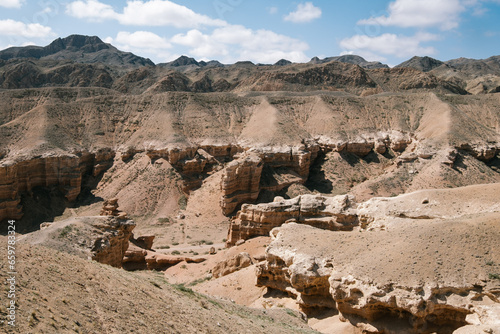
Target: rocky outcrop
192,162
235,263
303,276
104,239
65,172
423,306
330,213
240,182
137,258
405,279
380,142
110,248
144,241
265,168
482,152
110,208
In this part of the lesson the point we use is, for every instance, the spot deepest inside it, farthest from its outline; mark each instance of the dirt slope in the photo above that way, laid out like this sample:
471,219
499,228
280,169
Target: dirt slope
95,298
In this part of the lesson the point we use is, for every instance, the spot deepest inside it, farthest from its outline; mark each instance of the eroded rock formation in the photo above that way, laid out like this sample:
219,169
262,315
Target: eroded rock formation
418,275
110,248
65,172
240,182
137,258
235,263
100,238
330,213
110,208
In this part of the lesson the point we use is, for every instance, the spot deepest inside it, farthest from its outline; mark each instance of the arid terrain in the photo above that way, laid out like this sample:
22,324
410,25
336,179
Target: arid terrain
337,196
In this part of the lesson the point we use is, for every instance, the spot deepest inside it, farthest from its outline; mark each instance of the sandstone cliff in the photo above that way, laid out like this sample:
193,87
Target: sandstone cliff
425,265
330,213
64,172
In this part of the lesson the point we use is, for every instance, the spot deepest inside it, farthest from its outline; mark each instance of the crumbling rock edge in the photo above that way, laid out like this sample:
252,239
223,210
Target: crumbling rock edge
243,165
317,279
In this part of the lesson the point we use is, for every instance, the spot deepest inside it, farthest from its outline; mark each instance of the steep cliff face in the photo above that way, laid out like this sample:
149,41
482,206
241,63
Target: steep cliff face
305,276
113,240
329,213
240,182
265,168
65,172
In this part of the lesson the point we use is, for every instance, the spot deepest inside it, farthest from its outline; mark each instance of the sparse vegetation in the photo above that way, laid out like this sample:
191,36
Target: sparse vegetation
65,231
182,202
494,276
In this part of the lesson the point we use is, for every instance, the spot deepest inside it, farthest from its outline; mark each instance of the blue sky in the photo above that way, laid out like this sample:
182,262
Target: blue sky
264,31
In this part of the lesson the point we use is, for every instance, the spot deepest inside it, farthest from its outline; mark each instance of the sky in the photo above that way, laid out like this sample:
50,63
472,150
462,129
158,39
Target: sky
264,31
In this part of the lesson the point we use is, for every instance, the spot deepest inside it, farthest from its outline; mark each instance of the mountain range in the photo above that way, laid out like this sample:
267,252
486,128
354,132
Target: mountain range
85,61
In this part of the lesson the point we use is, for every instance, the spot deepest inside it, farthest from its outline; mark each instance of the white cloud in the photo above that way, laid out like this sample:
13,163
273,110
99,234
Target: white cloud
92,10
444,14
305,12
236,42
16,28
11,3
143,43
389,44
145,13
140,40
202,45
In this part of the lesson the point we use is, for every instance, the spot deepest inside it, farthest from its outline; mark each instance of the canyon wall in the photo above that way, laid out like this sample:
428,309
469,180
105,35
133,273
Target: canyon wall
65,172
330,213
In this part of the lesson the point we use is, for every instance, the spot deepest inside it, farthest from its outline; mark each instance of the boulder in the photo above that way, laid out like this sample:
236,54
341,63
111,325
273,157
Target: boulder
237,262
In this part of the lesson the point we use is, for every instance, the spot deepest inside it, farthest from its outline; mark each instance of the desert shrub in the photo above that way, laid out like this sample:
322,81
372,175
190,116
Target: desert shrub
182,202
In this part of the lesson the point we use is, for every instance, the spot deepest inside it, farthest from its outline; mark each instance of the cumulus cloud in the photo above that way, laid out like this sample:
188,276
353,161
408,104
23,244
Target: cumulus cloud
389,44
16,28
92,10
305,12
236,42
444,14
145,13
143,43
139,40
11,3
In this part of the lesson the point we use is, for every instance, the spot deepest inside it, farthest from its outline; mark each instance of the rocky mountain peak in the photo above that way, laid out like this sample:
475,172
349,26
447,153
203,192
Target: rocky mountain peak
282,62
424,64
184,61
78,43
77,48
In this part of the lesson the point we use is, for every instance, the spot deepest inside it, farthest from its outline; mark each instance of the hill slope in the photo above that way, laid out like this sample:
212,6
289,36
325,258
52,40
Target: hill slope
95,298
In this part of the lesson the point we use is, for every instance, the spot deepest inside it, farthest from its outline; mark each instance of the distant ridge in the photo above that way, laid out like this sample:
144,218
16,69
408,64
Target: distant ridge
282,62
350,59
424,64
185,61
78,48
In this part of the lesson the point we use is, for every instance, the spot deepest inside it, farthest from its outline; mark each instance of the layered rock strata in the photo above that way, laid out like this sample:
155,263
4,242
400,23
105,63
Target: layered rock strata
66,172
362,146
418,276
242,179
330,213
240,182
110,208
